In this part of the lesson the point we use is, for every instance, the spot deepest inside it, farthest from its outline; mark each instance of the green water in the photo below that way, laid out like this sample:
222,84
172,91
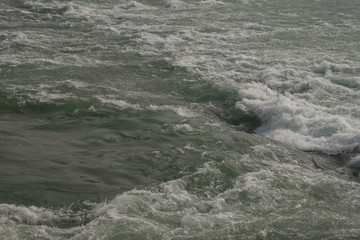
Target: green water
179,119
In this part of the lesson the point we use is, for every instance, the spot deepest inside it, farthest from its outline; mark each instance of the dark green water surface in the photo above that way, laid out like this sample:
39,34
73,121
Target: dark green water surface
179,119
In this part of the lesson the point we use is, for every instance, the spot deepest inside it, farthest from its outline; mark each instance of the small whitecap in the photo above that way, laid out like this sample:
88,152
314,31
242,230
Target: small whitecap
117,102
74,83
184,112
180,110
355,162
185,127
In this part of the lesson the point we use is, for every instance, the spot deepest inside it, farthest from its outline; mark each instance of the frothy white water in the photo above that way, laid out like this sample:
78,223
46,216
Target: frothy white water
210,204
299,123
300,78
295,71
307,112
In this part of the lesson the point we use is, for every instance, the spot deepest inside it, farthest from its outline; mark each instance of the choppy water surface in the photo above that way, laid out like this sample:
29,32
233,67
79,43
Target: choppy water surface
179,119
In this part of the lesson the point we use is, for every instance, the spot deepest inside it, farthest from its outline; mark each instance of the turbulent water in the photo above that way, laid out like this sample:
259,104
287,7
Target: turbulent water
179,119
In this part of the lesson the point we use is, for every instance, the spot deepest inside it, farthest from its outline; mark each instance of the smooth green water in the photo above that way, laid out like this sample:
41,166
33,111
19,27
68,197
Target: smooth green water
179,119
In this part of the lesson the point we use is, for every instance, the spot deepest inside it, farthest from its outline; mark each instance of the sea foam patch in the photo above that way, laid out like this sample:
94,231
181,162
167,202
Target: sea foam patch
216,199
304,124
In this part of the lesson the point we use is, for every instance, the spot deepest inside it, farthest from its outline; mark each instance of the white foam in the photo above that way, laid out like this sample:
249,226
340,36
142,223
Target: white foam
31,215
184,127
74,83
117,102
134,5
355,162
206,202
199,203
310,114
180,110
212,2
175,3
350,82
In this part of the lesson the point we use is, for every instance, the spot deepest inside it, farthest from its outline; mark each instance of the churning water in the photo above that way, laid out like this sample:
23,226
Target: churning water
170,119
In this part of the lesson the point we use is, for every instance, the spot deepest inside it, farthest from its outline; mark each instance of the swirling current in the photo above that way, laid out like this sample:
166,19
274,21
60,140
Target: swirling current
179,119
